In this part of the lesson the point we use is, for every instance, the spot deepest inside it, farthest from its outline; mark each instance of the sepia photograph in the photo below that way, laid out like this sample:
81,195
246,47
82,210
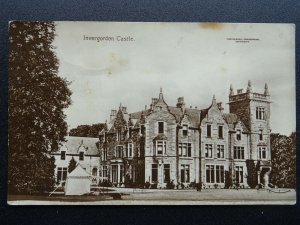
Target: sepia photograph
151,113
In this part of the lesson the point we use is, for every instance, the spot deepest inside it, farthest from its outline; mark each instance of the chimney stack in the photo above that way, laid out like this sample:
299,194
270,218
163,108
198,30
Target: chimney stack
180,103
220,107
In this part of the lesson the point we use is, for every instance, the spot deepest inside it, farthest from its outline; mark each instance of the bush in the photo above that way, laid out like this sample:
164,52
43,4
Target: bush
252,173
153,186
199,186
170,185
147,185
128,181
228,180
105,183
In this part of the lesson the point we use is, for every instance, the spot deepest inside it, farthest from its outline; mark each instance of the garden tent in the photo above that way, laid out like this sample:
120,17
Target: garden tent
78,182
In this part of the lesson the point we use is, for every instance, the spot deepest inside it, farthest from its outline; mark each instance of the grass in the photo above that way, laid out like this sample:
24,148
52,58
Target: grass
130,196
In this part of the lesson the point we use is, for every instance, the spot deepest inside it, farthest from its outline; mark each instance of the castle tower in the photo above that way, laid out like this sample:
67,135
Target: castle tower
253,109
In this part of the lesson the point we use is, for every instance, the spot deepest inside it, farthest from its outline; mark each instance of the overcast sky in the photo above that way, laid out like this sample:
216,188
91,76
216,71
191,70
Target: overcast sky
184,59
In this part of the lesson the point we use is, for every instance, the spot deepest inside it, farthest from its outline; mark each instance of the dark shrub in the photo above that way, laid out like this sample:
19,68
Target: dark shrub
252,173
128,181
105,183
170,185
147,185
153,186
228,180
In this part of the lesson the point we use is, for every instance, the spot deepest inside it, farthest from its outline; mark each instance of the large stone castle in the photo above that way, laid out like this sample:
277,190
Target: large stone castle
177,144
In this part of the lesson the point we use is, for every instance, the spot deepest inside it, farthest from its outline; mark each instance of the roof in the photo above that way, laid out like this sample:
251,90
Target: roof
192,114
78,172
232,119
74,143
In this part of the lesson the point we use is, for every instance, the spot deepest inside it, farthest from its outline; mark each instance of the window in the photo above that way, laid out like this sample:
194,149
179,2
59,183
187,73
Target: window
129,150
142,130
119,134
166,173
81,156
262,152
185,149
129,132
238,152
239,177
220,131
94,172
185,130
121,174
104,171
210,174
260,133
114,173
214,174
160,127
220,151
185,173
219,174
238,135
104,156
161,147
208,130
62,173
154,172
119,151
63,155
260,113
208,150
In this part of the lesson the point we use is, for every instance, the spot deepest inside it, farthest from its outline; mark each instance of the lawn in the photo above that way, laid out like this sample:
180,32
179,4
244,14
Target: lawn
166,197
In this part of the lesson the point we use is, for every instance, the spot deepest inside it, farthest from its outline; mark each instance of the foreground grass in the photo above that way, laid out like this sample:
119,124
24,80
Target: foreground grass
207,196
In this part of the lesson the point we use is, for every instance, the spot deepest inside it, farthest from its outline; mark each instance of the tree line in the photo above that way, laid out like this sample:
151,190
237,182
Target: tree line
87,130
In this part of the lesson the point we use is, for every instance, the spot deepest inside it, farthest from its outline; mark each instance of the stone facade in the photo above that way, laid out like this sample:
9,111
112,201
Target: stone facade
164,144
84,151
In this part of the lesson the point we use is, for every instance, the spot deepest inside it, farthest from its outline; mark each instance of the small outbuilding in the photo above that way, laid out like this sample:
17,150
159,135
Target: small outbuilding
78,182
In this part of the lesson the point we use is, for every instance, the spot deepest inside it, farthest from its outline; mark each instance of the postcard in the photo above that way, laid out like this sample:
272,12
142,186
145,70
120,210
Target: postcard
148,113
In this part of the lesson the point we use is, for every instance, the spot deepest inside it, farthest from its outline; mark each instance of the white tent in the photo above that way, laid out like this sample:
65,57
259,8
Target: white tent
78,182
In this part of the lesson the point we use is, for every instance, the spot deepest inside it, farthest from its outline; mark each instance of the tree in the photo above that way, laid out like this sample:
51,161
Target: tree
283,152
72,165
87,130
80,131
37,98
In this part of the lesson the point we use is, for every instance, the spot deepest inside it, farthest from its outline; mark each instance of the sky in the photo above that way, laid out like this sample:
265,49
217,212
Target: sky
193,60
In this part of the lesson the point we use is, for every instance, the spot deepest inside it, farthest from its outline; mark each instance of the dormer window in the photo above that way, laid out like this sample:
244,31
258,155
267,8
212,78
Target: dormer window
220,131
129,133
238,135
63,155
260,133
81,156
185,130
208,130
160,127
119,134
130,150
